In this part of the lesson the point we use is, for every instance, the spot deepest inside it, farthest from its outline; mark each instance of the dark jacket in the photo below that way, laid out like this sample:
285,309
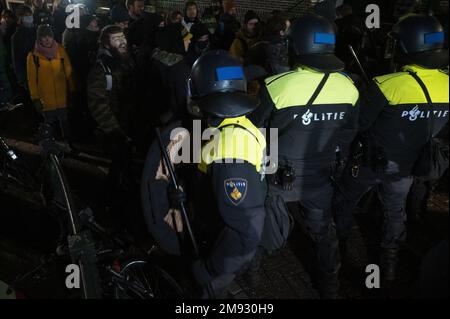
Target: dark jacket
397,118
81,46
5,87
42,16
277,55
170,67
111,94
197,48
137,32
22,43
316,130
326,9
7,38
350,31
226,31
59,23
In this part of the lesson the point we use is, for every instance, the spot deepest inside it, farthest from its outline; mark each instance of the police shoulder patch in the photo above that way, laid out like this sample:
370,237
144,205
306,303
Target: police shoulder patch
236,190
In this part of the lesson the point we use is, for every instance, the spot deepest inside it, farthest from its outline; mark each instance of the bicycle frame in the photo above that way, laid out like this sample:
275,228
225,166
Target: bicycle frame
80,242
16,170
81,245
82,251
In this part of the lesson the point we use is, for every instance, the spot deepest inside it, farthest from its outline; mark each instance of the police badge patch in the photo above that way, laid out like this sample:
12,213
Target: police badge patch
236,190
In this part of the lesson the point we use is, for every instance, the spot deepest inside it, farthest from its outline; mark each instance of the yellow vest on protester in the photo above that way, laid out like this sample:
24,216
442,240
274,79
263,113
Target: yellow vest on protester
236,139
50,80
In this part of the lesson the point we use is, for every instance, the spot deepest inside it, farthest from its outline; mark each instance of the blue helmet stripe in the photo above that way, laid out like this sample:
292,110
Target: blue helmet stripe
436,37
324,38
230,73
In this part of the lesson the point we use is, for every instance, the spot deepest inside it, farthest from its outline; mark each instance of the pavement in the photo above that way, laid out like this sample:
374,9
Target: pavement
287,274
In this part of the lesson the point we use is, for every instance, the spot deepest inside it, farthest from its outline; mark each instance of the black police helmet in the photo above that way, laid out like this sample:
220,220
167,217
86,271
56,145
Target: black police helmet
314,39
217,87
420,40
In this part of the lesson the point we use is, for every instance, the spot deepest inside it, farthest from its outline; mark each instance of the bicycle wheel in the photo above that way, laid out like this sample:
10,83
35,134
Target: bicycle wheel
146,281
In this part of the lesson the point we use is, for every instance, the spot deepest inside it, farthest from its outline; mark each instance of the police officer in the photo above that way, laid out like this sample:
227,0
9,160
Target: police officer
399,115
232,181
315,109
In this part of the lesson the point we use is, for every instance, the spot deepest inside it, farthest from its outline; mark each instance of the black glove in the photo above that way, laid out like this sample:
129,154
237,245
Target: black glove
176,197
120,136
38,106
286,178
339,165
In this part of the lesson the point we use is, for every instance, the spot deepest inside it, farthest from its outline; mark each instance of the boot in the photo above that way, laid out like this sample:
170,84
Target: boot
210,287
328,285
343,249
252,276
389,261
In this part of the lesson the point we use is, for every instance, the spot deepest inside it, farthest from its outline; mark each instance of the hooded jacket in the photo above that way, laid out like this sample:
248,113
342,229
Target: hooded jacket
111,93
22,43
243,44
226,31
81,46
170,67
50,81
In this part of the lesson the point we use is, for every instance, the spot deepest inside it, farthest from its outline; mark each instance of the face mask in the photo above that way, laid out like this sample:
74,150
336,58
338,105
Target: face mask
27,21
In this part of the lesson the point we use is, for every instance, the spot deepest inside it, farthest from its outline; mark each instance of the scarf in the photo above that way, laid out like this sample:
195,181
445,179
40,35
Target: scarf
49,53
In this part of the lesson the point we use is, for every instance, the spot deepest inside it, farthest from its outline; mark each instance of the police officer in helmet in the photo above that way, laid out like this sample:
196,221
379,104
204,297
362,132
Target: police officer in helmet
400,114
315,109
231,182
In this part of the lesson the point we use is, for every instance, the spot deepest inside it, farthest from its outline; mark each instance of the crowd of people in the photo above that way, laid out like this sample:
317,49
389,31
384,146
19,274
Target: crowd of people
116,78
145,57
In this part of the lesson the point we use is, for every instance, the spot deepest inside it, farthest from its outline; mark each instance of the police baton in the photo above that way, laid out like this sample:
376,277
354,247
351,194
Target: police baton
177,187
355,57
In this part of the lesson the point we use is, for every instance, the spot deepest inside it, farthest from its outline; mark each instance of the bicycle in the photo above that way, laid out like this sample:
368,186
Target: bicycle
108,269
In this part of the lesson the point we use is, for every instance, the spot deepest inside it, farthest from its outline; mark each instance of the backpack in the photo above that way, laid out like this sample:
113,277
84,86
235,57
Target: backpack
38,65
278,225
432,161
108,74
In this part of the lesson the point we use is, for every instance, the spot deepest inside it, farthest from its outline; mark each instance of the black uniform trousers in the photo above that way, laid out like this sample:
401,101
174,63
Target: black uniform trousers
314,193
392,191
237,239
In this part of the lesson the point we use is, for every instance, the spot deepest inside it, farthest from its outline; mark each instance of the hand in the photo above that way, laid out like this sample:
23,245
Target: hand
172,149
173,220
177,197
121,136
38,106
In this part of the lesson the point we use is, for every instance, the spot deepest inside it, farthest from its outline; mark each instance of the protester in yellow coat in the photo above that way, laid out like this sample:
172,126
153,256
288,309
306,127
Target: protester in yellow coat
50,78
